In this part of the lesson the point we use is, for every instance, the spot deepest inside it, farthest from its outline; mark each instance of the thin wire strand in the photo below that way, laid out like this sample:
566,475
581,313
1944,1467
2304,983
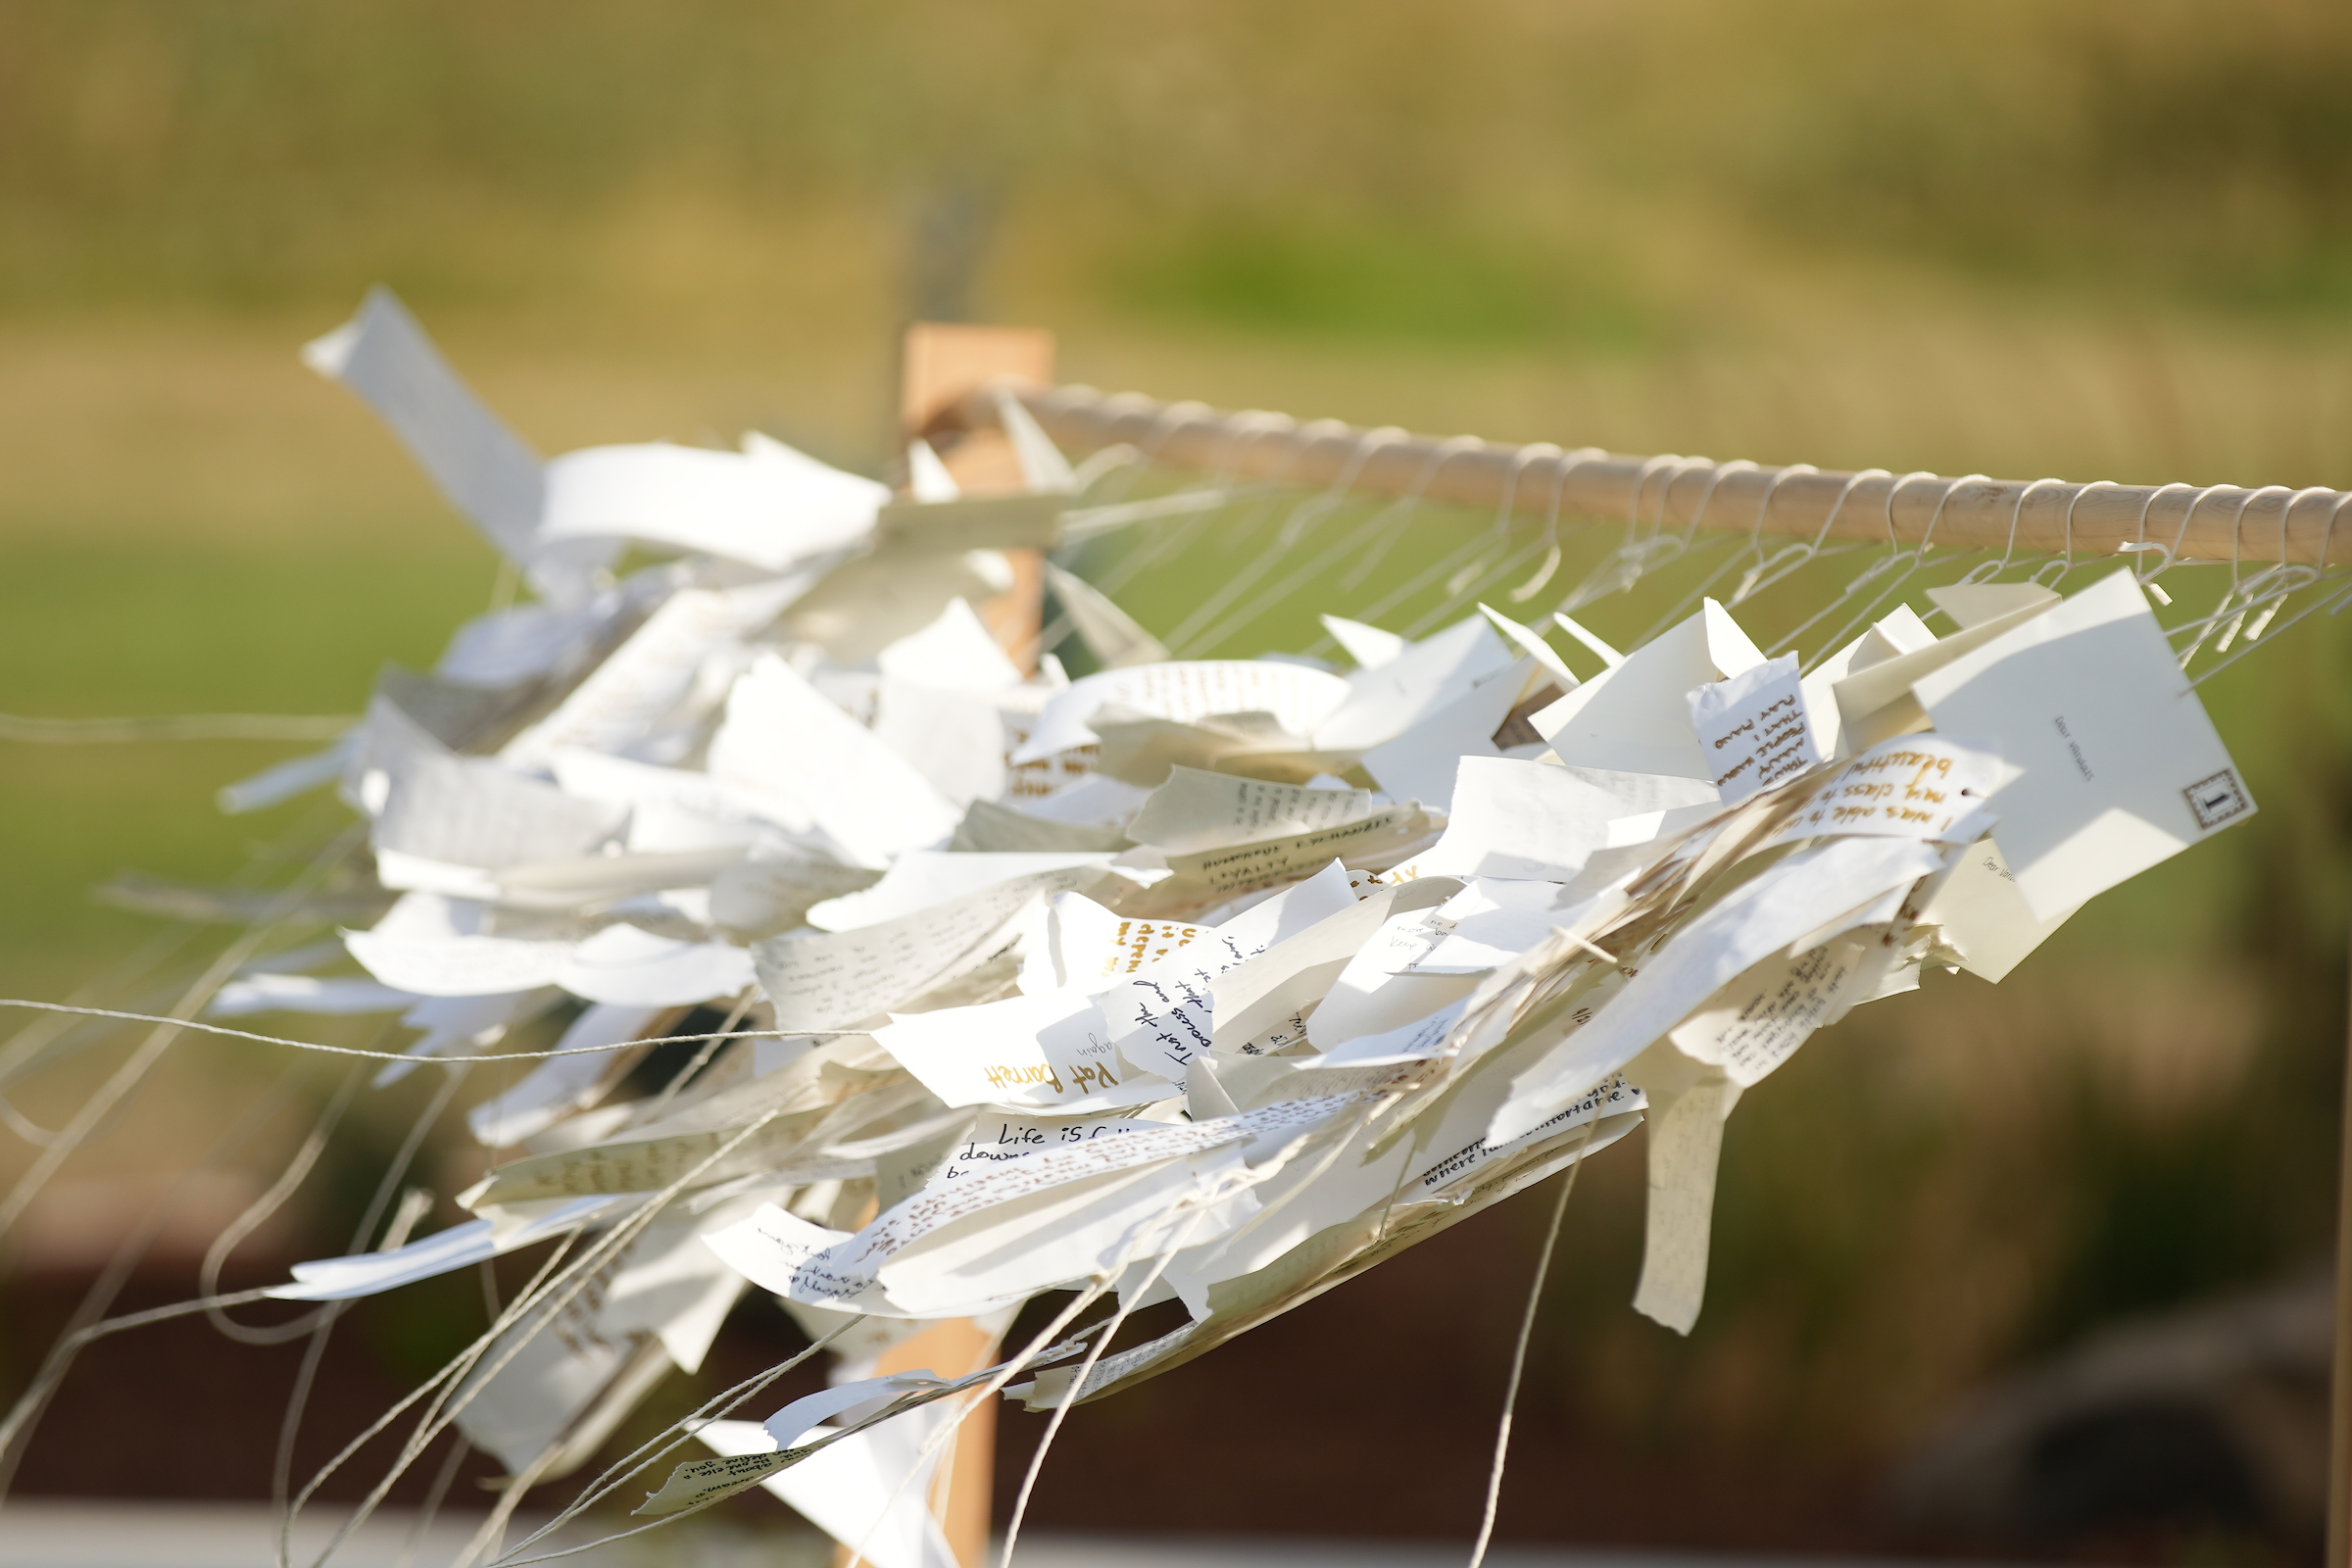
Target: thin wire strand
174,727
258,1213
1294,530
313,1354
87,1327
1369,544
1527,1332
1093,1355
1004,1374
226,1031
540,1298
119,1086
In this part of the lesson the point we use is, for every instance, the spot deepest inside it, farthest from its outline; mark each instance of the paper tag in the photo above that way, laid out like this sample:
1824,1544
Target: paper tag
997,1141
833,979
1611,1100
707,1479
1753,728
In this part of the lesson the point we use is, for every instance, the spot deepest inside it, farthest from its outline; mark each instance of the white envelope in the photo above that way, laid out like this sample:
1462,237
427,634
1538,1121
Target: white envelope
2123,769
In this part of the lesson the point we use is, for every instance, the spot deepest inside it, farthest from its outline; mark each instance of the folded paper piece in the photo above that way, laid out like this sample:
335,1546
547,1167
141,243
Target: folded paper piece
1636,717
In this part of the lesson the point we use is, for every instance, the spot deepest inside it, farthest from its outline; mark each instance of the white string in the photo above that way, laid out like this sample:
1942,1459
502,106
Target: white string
1563,465
1870,573
1093,1355
994,1386
1527,1329
435,1061
1294,529
1368,544
174,727
1638,553
676,1436
540,1298
126,1078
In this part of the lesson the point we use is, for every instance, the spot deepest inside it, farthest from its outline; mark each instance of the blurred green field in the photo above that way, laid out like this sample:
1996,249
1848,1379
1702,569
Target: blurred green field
2081,238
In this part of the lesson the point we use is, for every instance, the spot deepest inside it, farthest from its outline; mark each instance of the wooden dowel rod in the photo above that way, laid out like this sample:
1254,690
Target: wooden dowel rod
2219,522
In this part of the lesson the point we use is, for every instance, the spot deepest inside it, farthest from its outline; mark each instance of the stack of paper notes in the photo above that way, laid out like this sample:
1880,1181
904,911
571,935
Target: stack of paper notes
1209,982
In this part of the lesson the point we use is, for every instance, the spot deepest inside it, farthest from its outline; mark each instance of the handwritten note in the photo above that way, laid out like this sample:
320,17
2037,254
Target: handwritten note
1043,1050
786,1254
1912,787
1243,867
1196,810
1072,943
1753,728
1445,1169
831,980
1161,1017
997,1139
1758,1022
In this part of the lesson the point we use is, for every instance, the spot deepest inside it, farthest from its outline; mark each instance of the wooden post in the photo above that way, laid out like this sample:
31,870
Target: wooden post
943,364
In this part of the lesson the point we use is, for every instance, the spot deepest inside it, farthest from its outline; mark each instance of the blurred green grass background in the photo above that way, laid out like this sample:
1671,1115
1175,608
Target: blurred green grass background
2079,237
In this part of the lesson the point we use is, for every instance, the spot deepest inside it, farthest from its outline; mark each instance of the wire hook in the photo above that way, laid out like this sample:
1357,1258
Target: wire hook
1565,463
1520,459
1984,572
1789,558
2066,561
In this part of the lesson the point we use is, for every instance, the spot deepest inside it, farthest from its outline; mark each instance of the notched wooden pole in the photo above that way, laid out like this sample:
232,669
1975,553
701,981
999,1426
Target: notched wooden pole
945,364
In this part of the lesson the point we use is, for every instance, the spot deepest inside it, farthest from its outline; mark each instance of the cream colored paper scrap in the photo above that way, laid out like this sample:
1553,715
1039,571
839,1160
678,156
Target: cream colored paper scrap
1689,1104
1879,701
1757,1021
1983,919
1635,718
1044,1050
1381,839
781,734
1424,762
1762,915
1196,810
627,696
1159,1018
1297,697
766,505
831,980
